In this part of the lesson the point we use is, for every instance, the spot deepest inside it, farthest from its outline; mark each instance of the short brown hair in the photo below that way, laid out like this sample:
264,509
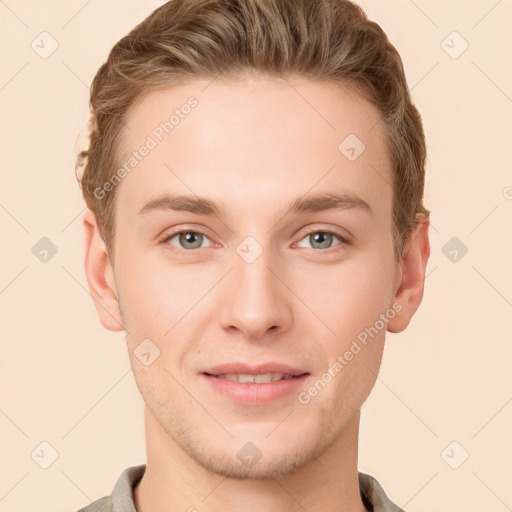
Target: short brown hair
325,40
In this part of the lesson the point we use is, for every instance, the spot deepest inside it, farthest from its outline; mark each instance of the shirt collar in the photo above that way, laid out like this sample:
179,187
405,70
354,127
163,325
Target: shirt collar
372,493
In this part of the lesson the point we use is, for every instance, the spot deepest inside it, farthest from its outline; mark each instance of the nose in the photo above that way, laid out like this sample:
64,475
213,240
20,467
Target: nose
255,301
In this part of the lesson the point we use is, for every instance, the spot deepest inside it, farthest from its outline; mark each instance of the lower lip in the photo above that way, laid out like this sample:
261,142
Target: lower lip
255,393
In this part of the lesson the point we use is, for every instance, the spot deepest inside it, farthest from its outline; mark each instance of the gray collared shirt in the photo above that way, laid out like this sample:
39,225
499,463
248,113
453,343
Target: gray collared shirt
121,499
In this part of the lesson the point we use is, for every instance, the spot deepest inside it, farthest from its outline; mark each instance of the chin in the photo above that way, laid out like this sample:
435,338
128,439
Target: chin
257,457
273,467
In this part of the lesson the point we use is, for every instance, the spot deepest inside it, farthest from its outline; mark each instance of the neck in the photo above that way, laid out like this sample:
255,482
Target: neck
174,481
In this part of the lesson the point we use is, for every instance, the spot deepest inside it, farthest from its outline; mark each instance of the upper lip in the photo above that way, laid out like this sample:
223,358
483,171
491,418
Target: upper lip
244,368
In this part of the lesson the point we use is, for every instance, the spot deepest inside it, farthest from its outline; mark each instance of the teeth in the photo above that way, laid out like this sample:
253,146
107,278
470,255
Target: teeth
262,378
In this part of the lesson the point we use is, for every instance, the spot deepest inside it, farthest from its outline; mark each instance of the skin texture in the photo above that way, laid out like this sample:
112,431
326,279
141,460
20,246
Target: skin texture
254,145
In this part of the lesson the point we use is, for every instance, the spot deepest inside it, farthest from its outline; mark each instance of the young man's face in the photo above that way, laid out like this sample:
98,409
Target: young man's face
257,284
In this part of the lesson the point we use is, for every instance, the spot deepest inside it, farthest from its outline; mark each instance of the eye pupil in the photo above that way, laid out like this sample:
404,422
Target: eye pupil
188,238
324,239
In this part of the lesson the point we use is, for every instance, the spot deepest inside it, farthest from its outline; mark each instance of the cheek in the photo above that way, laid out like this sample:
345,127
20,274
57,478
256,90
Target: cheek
156,296
349,297
358,297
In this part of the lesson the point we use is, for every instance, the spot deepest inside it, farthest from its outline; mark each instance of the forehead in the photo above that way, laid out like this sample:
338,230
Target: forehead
261,138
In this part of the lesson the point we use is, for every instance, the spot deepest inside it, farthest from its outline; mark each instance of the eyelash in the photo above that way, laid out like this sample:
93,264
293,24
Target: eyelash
344,240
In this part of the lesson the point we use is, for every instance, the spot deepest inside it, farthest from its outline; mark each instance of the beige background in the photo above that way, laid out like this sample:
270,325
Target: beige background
67,381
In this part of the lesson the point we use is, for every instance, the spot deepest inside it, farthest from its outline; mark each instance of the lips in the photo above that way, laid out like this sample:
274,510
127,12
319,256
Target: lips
239,368
260,378
254,384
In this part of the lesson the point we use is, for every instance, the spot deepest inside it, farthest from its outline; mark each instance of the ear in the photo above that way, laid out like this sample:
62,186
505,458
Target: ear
411,275
100,275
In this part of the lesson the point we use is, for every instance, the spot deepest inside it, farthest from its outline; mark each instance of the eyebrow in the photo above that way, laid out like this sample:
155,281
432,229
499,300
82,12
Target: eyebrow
312,203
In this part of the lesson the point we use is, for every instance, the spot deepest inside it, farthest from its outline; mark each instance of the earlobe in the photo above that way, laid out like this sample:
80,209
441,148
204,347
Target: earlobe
409,293
100,276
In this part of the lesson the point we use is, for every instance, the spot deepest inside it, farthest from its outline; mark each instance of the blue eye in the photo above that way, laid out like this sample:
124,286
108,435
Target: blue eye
187,239
322,239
